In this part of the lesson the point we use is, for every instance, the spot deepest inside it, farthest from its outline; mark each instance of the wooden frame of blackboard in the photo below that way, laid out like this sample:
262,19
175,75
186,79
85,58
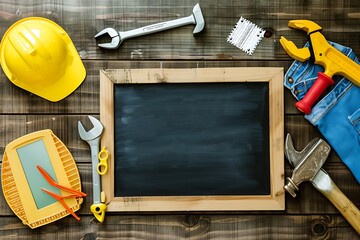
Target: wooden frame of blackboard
273,76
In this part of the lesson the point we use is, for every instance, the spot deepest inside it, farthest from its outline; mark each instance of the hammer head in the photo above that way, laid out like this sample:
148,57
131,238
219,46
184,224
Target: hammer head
307,163
199,19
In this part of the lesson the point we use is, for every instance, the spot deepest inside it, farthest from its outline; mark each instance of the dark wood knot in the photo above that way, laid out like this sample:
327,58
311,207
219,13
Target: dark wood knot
319,228
269,32
191,221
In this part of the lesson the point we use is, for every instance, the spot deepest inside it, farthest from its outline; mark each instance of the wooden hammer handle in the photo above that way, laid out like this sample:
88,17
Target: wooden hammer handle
350,212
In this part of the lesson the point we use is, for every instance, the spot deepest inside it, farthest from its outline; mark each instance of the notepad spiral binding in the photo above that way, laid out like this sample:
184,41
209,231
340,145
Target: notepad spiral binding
246,35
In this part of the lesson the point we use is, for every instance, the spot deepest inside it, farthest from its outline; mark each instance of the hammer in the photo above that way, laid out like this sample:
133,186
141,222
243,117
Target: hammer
117,38
308,165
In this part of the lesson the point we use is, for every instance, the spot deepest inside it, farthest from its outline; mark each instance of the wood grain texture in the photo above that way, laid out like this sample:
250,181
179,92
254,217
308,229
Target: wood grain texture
192,226
85,99
83,19
309,216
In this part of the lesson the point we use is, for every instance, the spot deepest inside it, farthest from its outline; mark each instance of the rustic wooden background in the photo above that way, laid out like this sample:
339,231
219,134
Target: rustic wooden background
309,216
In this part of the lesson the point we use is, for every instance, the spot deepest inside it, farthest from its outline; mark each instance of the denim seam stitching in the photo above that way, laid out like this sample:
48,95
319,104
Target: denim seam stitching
330,106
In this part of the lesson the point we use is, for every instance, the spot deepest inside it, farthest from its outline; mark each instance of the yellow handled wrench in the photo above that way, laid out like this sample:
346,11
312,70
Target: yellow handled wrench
322,53
92,137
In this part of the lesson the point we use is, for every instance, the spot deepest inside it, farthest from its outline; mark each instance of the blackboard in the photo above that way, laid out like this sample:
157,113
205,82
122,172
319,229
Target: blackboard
190,138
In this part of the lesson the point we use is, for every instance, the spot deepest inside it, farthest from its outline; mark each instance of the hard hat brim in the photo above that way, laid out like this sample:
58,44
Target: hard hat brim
68,83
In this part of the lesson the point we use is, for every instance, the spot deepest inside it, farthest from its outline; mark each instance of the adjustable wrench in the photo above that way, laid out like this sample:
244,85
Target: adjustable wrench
92,137
118,37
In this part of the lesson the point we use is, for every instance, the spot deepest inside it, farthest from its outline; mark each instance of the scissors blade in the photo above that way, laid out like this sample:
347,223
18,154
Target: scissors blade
60,199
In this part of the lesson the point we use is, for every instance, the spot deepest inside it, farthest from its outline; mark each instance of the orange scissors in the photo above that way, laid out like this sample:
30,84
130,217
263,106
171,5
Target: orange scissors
73,193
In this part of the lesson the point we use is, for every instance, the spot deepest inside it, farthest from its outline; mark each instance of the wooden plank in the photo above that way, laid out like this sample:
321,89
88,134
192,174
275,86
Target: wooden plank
64,127
85,99
338,20
193,226
201,75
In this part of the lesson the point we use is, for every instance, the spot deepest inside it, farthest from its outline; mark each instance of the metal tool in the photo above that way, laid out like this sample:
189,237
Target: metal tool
118,37
92,137
73,192
322,53
246,35
102,166
307,162
308,165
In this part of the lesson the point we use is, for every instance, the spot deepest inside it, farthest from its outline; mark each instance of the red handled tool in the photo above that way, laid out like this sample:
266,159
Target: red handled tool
334,62
320,85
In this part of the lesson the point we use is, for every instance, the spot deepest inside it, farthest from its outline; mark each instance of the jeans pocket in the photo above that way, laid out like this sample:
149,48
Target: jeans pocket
355,120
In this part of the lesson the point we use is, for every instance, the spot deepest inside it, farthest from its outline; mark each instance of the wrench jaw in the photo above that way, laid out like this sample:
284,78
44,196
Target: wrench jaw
82,132
92,134
113,34
199,19
300,54
305,25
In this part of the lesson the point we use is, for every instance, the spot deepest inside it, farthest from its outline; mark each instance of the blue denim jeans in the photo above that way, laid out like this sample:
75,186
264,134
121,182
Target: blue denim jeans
337,114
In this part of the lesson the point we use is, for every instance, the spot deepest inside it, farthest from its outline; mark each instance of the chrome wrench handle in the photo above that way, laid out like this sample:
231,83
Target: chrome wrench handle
118,37
94,148
92,137
157,27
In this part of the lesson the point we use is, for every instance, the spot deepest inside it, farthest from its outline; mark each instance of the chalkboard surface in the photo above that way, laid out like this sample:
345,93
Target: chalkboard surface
191,139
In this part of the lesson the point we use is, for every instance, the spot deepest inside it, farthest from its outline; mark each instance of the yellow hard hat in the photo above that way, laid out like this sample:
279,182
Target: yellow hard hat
37,55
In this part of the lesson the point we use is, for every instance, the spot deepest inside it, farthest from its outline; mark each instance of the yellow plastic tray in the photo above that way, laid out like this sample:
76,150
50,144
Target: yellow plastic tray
22,182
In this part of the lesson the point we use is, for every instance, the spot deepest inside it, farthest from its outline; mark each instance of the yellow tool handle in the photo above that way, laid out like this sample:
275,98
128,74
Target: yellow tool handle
346,67
98,209
334,61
